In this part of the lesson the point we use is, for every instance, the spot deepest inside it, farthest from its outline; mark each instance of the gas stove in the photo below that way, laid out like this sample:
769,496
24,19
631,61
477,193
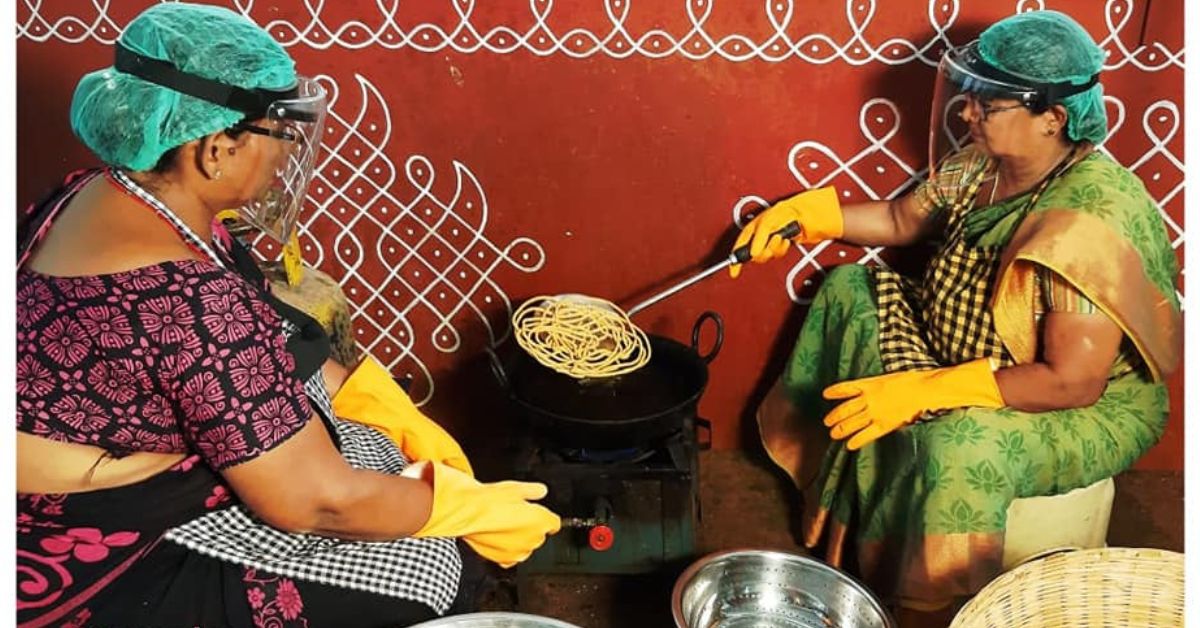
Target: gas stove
624,511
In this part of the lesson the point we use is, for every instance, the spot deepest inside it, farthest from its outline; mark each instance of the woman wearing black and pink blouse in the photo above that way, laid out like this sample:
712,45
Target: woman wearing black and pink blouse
183,458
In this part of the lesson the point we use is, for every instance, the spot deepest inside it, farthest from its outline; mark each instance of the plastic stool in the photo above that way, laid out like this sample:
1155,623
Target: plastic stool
1038,526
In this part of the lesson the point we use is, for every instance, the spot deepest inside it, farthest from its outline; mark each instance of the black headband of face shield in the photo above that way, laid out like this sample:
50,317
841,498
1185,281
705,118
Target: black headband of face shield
252,102
1039,96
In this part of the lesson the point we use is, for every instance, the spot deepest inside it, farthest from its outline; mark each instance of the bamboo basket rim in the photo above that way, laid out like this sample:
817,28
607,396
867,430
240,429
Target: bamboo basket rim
1102,587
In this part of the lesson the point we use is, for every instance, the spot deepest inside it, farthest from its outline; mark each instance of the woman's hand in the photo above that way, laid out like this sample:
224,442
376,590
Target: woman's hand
497,519
817,212
899,222
878,406
371,396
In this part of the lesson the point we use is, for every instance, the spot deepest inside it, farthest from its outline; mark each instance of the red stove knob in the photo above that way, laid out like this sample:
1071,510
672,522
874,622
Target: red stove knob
600,538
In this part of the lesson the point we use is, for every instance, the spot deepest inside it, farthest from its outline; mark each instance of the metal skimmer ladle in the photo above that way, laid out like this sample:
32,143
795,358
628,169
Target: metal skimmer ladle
741,255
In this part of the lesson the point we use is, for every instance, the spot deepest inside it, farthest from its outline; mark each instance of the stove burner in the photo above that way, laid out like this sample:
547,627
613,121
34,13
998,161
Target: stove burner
627,510
606,456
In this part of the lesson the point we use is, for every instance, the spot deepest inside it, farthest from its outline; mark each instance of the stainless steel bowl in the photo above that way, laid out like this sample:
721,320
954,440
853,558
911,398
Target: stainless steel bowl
495,620
767,589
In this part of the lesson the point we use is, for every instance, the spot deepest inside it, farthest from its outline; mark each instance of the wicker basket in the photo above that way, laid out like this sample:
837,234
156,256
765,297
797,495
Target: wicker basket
1096,588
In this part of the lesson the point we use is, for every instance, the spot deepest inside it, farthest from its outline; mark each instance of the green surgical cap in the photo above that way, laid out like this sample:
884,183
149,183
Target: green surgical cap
131,123
1050,47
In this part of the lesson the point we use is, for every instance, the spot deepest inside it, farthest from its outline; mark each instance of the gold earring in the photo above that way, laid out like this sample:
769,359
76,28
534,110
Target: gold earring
217,174
1050,131
232,151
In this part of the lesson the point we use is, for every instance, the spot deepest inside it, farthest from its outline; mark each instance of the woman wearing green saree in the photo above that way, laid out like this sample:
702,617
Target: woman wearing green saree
1027,360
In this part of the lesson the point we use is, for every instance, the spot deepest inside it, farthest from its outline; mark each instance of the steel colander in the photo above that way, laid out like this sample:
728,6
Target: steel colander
495,620
770,589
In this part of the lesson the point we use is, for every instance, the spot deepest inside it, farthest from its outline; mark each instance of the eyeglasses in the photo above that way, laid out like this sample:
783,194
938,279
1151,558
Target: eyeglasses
984,110
275,133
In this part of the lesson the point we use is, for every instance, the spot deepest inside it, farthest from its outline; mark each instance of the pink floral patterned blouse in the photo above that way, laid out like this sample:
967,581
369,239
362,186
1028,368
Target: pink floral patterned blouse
175,357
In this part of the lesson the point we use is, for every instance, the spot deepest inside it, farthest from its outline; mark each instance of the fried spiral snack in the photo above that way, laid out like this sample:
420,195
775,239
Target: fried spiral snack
583,337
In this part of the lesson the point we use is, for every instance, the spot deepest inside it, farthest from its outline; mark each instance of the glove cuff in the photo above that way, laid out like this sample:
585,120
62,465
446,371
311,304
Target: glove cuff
972,384
820,215
448,513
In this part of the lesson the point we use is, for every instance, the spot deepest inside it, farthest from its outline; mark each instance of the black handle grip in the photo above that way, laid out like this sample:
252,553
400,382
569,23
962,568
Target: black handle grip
497,368
708,315
789,231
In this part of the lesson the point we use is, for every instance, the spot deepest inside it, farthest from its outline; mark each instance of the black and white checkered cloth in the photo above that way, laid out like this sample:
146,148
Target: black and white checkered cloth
947,318
424,570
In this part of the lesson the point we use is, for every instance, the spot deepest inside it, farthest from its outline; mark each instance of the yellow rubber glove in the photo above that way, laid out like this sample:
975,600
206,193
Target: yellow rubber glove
880,405
496,519
370,396
818,212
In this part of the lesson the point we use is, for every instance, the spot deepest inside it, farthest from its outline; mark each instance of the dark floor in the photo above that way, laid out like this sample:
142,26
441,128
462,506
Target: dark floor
746,505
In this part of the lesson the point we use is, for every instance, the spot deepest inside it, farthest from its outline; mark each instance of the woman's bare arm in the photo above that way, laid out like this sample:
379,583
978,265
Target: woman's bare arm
304,485
899,222
1079,351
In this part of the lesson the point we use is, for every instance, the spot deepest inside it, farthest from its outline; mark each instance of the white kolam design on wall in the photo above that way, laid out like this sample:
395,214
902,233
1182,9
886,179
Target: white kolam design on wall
416,267
381,24
438,264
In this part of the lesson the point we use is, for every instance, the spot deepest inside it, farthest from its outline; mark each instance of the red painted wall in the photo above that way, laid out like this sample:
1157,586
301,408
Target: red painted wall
603,147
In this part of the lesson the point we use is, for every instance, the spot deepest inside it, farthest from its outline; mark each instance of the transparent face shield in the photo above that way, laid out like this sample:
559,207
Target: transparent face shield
964,100
296,125
970,93
293,117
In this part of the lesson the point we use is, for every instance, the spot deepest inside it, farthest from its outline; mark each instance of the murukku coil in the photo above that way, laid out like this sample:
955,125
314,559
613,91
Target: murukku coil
579,336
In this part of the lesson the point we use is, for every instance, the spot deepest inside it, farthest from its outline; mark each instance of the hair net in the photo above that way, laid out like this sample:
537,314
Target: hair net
1049,46
129,122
